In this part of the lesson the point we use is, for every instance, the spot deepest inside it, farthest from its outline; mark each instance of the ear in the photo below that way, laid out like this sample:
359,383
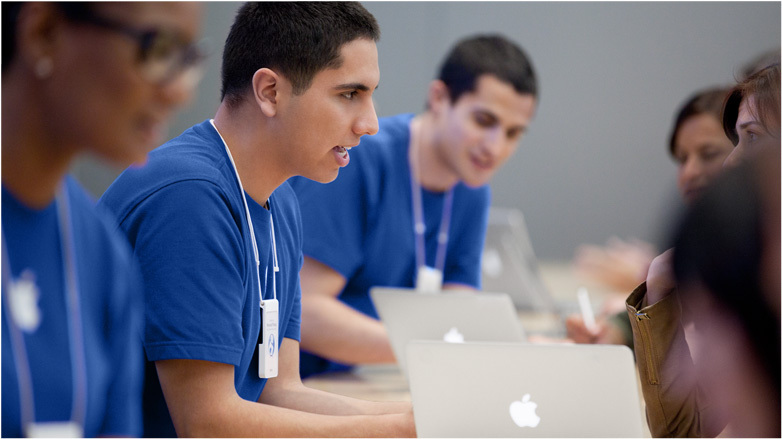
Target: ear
267,91
37,28
438,96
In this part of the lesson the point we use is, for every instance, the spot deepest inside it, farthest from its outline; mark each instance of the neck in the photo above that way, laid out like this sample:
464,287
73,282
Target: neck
253,150
34,159
426,163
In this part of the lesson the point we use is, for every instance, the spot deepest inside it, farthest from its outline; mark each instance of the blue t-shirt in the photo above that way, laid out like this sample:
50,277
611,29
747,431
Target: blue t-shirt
361,224
109,298
184,216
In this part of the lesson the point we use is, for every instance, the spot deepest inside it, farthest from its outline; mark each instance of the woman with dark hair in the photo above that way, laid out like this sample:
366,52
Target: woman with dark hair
97,78
699,147
683,398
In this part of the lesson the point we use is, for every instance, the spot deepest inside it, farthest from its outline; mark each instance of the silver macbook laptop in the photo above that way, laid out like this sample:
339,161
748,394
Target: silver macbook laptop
451,316
523,390
509,264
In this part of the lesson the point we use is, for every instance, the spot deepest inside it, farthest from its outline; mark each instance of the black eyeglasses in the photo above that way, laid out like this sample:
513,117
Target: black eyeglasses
164,55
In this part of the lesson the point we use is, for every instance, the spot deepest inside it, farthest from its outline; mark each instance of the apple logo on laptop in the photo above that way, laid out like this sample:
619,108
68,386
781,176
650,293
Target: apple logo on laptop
491,262
453,336
523,412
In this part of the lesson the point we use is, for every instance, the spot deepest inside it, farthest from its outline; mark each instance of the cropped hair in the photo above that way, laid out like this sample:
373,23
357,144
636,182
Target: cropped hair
763,85
487,55
295,39
707,101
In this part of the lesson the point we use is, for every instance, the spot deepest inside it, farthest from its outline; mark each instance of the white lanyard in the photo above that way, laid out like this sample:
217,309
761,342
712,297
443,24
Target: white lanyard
75,334
276,267
419,225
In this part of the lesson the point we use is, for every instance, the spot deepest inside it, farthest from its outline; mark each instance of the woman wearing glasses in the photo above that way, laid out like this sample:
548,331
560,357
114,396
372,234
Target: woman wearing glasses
97,78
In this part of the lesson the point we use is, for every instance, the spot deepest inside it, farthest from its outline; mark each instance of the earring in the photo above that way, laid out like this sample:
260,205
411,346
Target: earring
44,67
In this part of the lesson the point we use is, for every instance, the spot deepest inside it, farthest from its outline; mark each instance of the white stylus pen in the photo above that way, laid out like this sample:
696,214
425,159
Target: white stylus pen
586,310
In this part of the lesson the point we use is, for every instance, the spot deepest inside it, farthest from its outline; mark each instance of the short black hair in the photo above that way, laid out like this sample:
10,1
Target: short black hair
487,55
296,39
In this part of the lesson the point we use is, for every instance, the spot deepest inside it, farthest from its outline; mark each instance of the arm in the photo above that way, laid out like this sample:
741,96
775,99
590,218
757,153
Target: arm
287,390
619,265
333,330
674,405
203,403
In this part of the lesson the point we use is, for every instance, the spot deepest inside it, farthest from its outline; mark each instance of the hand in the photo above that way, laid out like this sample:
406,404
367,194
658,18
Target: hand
620,265
579,333
606,332
660,281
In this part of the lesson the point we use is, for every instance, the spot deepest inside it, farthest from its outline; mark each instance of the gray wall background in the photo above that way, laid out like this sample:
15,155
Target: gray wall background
594,162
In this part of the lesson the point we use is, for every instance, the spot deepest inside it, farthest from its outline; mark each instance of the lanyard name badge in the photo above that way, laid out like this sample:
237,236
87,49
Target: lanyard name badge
23,315
429,279
268,342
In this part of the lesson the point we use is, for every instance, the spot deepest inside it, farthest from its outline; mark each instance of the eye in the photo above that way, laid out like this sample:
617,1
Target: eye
681,160
349,95
514,133
484,120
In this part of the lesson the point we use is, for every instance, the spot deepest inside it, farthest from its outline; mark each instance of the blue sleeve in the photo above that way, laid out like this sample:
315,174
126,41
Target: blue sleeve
334,219
123,402
190,251
463,264
293,329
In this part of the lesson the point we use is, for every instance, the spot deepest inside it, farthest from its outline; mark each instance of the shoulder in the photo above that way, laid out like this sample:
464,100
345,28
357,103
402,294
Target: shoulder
197,155
95,228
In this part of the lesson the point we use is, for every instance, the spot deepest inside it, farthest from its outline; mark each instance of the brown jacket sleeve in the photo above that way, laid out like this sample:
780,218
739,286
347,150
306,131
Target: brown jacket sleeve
674,405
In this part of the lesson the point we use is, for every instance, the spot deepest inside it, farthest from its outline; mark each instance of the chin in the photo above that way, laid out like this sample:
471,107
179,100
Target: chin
476,181
323,177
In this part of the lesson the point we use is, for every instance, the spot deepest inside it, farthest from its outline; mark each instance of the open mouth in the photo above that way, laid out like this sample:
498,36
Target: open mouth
342,151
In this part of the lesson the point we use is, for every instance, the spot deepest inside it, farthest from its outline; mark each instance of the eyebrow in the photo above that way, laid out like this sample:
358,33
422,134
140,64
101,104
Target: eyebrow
495,119
748,123
354,86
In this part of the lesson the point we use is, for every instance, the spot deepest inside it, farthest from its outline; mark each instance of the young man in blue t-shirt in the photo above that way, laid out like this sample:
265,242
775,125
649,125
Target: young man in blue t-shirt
218,231
431,170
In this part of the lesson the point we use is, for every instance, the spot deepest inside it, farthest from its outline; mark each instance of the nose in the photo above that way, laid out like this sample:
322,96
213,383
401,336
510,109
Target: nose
495,141
367,120
735,157
179,90
690,169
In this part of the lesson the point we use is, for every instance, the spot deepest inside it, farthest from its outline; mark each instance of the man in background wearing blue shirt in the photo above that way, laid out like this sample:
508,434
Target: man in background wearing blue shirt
431,170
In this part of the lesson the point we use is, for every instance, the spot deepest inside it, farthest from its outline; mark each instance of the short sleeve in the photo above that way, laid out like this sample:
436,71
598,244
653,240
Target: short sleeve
191,254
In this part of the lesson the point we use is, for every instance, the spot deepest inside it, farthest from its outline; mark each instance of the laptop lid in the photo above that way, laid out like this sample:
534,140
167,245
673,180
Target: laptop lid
523,390
509,264
454,316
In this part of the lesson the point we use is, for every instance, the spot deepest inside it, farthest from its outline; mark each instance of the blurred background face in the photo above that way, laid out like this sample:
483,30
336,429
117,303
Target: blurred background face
479,132
102,94
700,148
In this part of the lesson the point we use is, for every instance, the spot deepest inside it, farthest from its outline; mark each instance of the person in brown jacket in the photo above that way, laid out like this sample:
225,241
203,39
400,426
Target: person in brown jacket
707,333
